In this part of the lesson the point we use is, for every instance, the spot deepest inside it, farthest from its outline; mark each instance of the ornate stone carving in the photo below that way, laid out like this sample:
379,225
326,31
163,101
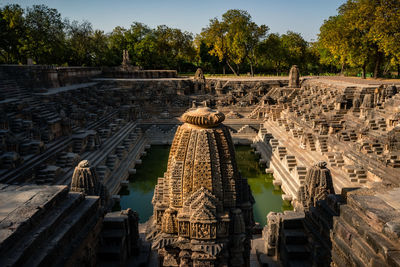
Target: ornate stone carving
85,180
202,206
318,185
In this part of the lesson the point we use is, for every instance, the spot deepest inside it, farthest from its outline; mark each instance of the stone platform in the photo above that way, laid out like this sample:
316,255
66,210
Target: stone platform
47,226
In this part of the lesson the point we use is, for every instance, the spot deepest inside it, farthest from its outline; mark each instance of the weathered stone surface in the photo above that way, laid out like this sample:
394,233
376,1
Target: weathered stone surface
48,226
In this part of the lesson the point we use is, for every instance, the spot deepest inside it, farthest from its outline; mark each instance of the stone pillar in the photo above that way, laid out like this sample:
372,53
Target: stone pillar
199,81
270,233
294,77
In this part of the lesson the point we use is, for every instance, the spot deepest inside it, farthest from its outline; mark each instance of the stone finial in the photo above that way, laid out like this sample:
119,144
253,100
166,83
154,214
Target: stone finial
85,179
318,185
203,117
199,75
294,77
367,101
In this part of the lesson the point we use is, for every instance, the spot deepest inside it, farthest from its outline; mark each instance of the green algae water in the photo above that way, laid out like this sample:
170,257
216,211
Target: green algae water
266,196
141,185
154,164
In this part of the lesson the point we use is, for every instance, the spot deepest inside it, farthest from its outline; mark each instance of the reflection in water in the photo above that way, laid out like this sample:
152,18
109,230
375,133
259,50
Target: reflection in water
266,197
141,186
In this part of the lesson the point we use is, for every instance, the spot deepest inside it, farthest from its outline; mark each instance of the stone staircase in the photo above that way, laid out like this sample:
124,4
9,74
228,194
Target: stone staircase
56,222
300,174
294,244
366,227
9,89
322,143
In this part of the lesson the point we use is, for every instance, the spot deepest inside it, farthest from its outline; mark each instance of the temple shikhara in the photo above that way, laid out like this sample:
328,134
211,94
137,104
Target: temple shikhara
203,212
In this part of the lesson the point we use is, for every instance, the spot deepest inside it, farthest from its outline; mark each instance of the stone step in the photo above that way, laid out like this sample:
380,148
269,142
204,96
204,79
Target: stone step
365,254
68,230
111,252
380,242
292,220
24,218
294,236
296,252
299,263
22,250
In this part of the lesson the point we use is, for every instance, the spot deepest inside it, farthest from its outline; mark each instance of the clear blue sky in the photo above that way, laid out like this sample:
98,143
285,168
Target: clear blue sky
303,16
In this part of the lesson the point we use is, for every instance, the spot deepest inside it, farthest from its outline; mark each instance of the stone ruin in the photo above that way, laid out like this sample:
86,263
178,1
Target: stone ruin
202,206
294,77
199,81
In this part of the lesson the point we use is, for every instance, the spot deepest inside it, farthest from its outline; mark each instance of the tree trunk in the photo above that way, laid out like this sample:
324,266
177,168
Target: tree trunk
277,69
223,69
251,70
342,70
363,75
232,69
398,70
378,63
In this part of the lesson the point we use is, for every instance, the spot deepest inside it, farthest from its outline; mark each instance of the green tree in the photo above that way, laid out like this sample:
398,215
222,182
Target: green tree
117,43
385,30
234,39
80,43
100,52
205,60
272,51
136,33
364,33
295,48
12,33
45,38
174,46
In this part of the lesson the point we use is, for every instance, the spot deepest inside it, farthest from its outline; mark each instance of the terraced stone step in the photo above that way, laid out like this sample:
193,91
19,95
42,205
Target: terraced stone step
347,239
30,205
365,229
294,236
68,230
292,220
22,250
297,252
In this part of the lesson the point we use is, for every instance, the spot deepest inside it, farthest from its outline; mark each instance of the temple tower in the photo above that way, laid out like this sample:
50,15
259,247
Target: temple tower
202,206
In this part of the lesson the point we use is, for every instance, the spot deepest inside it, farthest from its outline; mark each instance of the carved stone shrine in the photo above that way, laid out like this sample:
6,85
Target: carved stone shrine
202,206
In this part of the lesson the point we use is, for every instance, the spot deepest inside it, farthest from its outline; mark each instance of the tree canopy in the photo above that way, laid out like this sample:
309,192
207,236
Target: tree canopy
363,36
